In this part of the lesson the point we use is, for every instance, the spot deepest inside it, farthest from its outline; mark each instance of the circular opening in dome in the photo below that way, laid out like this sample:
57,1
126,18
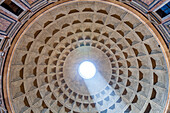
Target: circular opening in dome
87,70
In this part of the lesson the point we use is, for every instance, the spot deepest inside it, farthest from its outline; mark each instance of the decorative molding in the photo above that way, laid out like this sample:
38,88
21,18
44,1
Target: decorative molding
167,26
3,110
31,3
146,4
6,24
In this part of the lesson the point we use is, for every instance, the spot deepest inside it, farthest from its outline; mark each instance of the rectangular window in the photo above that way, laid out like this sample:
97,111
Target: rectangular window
12,7
164,10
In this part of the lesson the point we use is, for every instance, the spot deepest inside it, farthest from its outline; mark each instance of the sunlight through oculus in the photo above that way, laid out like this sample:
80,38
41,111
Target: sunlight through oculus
87,70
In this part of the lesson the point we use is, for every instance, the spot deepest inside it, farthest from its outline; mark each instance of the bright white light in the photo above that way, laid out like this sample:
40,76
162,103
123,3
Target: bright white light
87,70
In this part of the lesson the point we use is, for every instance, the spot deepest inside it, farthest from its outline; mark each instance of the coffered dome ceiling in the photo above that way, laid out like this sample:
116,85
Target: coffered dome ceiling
131,73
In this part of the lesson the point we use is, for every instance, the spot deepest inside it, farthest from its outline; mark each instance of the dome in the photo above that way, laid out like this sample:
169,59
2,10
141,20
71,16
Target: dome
131,69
